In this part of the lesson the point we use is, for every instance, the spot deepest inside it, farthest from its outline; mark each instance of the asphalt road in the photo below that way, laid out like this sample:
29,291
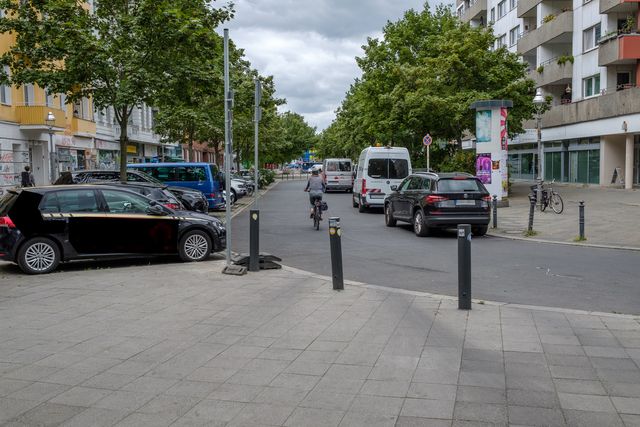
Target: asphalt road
503,270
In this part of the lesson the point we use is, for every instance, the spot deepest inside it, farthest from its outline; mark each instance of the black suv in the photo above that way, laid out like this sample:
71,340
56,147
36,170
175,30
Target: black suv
42,226
429,200
192,200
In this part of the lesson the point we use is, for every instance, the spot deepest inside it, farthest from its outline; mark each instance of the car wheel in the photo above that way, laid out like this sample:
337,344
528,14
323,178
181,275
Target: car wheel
234,196
361,207
419,227
194,246
38,256
353,200
479,231
389,220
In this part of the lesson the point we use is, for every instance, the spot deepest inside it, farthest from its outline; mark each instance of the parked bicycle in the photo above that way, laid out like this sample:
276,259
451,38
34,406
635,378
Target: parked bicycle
550,197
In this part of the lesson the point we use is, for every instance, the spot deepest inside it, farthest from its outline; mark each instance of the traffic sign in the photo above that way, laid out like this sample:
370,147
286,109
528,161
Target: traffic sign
427,140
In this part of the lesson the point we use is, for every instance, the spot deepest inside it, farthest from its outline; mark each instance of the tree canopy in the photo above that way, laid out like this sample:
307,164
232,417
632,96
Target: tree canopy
420,78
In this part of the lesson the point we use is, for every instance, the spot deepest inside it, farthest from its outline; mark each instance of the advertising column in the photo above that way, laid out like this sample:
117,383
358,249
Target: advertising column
491,146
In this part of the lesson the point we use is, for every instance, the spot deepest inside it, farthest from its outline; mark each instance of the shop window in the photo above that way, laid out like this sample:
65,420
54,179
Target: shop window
591,86
590,38
584,166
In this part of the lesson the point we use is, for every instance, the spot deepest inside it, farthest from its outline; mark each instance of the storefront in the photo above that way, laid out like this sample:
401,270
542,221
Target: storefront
74,153
636,162
108,154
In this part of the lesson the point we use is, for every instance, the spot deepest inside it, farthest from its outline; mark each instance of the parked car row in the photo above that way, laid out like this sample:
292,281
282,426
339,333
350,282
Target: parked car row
43,226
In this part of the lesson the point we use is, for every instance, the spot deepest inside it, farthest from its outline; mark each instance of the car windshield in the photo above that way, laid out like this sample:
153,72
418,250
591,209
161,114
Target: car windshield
459,185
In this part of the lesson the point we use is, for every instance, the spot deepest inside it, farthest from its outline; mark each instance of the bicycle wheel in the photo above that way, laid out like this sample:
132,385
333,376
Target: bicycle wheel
556,203
544,203
316,221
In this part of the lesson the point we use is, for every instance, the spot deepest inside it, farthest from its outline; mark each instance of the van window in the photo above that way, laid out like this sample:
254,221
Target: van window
340,166
190,173
459,185
388,168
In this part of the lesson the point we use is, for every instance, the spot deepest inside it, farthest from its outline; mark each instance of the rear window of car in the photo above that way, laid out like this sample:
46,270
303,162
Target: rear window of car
459,185
388,168
6,201
338,166
70,201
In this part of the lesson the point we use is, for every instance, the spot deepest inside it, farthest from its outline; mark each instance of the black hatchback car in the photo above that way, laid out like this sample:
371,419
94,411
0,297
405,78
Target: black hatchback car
42,226
429,200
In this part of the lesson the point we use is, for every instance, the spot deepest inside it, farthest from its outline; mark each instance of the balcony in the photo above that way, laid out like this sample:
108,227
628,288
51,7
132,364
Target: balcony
618,6
33,117
527,7
475,11
619,49
611,104
80,126
553,73
557,30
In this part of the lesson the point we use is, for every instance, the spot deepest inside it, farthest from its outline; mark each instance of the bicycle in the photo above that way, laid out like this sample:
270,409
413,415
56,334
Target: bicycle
549,198
317,213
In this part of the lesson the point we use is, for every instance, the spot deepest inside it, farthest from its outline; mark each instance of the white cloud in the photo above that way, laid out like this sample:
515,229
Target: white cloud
309,46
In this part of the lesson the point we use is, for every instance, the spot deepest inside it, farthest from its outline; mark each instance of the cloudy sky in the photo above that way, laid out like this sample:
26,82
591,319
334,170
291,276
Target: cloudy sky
309,46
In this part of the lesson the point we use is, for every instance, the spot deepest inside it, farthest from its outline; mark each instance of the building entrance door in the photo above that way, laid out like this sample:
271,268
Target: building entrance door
636,161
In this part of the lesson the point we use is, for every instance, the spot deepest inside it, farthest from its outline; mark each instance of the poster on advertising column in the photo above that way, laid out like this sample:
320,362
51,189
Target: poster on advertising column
483,126
483,167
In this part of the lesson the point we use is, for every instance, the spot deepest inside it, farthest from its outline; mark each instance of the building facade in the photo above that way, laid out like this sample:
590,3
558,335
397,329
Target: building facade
585,56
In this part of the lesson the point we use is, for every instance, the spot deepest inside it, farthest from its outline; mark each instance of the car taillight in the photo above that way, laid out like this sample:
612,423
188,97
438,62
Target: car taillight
364,187
432,199
486,198
5,221
172,205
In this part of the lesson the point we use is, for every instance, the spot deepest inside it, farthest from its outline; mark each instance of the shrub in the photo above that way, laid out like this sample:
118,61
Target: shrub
540,69
548,18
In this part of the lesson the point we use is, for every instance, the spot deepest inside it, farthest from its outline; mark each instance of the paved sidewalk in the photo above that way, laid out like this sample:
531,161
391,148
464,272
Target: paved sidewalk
183,345
611,216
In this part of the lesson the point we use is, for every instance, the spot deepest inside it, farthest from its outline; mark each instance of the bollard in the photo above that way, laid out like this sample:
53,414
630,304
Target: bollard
532,207
254,240
581,219
495,211
464,267
335,239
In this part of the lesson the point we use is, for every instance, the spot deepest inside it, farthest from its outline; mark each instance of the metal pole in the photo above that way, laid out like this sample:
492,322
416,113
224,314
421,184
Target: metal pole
257,117
532,208
335,240
254,240
428,162
581,219
464,267
495,211
52,158
227,144
539,183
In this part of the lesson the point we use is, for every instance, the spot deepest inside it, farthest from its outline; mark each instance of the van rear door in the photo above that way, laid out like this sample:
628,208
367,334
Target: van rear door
383,171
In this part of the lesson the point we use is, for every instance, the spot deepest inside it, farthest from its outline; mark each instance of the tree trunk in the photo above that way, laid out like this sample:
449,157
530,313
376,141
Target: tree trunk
123,122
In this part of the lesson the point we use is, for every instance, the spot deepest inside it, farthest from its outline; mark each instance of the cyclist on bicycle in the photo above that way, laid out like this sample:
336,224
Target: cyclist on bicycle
315,187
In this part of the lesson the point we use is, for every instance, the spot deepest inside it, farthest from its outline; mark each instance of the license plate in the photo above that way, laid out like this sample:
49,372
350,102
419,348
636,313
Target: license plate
377,195
465,202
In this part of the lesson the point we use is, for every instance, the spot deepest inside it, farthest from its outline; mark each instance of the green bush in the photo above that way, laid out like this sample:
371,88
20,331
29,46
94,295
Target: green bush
266,177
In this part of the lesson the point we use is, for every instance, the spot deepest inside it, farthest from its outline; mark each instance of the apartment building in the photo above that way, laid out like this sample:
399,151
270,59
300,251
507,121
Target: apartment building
585,56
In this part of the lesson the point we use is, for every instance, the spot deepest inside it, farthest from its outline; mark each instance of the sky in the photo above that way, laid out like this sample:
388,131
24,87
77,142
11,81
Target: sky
310,46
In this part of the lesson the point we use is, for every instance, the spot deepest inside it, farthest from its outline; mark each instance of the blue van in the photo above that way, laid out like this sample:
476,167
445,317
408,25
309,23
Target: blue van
198,176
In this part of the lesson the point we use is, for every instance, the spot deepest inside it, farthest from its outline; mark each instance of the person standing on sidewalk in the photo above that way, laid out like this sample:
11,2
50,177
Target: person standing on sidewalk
26,178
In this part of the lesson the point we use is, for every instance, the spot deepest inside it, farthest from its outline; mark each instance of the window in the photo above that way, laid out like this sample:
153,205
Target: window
404,184
513,4
514,35
388,168
63,102
5,90
48,98
415,184
502,8
124,202
70,201
493,14
501,41
458,185
191,173
338,166
590,38
591,85
28,94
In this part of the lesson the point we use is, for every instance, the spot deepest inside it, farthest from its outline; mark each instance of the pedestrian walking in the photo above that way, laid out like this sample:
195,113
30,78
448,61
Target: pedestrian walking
26,177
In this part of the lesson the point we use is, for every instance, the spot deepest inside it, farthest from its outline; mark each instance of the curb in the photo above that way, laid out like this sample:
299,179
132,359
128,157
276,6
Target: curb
554,242
475,301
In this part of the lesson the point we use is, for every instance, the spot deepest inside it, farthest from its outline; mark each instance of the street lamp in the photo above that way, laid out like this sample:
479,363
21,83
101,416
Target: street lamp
539,103
50,121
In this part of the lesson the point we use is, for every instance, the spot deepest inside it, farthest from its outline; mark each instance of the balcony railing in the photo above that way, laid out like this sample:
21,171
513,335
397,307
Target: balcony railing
616,49
559,26
558,70
613,102
475,10
35,116
618,6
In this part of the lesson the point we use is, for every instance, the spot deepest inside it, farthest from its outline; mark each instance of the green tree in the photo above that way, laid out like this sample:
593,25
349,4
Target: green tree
121,54
421,77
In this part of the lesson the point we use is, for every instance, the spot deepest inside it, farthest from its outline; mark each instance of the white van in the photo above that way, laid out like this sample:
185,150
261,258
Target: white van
378,169
337,174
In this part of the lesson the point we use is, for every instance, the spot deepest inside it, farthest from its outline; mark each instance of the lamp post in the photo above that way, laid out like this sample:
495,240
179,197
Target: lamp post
539,102
50,121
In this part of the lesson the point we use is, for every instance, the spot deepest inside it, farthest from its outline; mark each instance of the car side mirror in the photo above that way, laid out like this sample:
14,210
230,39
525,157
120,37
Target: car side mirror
394,188
156,210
